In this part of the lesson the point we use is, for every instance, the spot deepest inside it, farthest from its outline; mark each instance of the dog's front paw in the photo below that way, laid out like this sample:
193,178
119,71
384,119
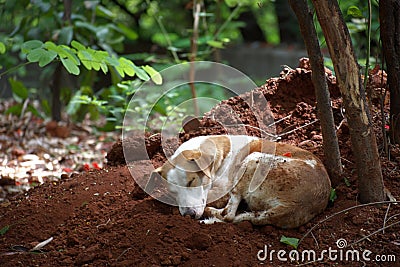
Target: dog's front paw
211,220
213,212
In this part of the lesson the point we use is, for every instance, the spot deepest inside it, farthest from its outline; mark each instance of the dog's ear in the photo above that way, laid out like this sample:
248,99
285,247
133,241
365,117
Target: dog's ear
203,160
208,162
191,155
162,171
158,170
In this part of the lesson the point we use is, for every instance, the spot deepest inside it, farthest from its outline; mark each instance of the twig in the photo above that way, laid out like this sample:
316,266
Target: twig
373,233
39,246
343,211
24,106
384,219
298,128
348,161
275,137
340,124
278,121
368,48
103,224
14,68
165,34
316,241
193,54
226,22
393,216
123,252
383,129
382,101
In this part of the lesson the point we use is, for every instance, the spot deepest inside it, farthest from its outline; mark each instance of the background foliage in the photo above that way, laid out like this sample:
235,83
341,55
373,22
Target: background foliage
95,54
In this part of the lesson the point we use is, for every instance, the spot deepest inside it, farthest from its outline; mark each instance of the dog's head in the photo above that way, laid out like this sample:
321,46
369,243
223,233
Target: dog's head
190,171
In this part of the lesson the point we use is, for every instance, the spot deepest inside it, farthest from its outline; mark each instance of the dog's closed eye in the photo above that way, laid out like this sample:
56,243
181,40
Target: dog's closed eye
189,184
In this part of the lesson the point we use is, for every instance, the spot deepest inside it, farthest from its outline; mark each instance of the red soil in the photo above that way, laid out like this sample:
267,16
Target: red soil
102,218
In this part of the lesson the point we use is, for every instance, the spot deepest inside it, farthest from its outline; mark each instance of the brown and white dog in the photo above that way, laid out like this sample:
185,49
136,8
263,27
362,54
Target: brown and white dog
281,184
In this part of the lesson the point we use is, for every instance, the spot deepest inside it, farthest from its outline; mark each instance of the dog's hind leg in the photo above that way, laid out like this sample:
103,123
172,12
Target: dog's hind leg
279,216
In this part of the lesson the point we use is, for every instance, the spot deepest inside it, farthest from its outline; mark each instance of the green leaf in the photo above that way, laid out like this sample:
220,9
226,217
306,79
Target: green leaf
354,12
104,12
155,75
332,195
45,106
70,66
100,56
66,51
128,32
291,241
347,182
19,89
42,56
96,65
104,67
77,45
98,59
225,40
51,46
30,45
126,66
141,73
118,98
113,61
86,59
85,25
65,35
231,3
15,110
2,48
46,58
4,230
215,44
34,111
35,54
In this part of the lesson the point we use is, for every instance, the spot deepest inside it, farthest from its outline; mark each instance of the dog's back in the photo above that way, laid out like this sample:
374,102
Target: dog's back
294,185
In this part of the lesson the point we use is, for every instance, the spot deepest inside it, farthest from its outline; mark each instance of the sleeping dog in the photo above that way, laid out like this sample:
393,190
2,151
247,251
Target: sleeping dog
280,184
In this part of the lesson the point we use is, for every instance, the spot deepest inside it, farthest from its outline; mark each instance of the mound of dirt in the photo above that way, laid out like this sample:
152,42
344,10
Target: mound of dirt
102,218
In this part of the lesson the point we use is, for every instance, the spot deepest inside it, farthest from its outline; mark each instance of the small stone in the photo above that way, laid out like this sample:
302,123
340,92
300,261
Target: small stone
317,137
306,143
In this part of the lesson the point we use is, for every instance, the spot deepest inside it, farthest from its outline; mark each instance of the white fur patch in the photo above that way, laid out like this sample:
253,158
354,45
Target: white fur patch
277,159
211,220
311,162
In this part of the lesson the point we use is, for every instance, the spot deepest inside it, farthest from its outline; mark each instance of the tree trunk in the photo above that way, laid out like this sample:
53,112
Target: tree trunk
325,114
56,83
389,15
251,32
55,90
363,141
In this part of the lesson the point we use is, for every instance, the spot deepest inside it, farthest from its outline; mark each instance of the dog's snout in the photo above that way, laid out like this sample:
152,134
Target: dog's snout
190,212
